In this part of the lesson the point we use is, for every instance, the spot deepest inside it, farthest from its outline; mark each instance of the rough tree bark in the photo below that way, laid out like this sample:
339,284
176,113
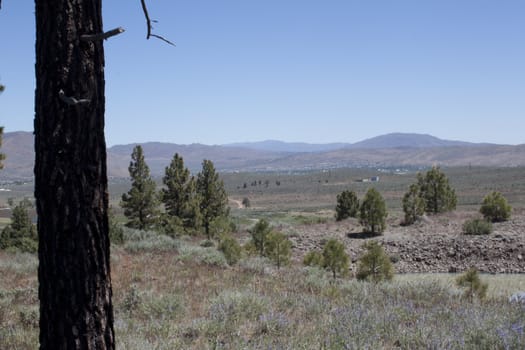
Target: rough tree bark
70,178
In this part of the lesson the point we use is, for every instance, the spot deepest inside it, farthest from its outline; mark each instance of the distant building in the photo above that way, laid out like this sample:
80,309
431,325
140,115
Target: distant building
369,179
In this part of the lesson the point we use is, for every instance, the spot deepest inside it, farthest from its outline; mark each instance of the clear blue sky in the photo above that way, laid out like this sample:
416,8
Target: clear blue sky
295,70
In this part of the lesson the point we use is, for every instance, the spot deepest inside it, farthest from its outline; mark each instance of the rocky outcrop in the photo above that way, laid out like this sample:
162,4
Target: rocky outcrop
435,244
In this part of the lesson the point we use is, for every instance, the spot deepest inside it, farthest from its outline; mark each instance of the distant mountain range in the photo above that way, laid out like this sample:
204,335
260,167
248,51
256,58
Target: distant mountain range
393,140
391,150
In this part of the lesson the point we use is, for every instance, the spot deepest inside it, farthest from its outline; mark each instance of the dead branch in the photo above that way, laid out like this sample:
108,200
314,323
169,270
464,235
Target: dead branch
71,101
148,23
102,36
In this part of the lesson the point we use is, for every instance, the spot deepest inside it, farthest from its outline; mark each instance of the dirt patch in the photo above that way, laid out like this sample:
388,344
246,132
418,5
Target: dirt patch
434,244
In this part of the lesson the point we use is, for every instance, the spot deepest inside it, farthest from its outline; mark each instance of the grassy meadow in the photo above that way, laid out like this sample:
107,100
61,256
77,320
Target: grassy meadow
174,293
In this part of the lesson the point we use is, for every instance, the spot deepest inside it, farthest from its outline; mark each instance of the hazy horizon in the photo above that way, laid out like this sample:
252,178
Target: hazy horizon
284,141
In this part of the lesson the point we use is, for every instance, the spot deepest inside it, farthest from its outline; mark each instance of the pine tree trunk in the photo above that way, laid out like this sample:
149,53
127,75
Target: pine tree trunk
70,178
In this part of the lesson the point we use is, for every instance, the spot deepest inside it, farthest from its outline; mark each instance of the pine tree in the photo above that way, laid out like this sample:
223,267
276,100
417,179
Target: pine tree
495,207
212,195
347,205
374,265
313,258
74,274
278,248
176,180
438,195
260,233
191,213
179,196
71,189
413,204
231,249
373,212
334,257
473,285
21,234
140,203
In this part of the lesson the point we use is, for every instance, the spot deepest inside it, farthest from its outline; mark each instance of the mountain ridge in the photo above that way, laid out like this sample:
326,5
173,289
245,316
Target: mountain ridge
390,140
390,150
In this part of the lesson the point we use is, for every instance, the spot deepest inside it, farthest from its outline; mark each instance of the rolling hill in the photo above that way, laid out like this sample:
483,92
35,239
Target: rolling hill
389,150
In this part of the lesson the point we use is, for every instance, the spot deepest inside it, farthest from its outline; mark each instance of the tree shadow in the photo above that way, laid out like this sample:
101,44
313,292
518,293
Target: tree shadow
362,235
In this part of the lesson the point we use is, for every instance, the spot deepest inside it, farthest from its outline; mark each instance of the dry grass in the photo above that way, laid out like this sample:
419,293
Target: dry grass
177,295
165,302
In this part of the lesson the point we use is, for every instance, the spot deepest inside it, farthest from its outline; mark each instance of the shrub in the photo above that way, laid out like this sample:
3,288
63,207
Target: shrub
29,317
335,258
219,227
170,225
207,243
164,307
250,248
231,249
200,255
246,202
140,240
116,232
132,300
313,258
495,207
347,205
256,265
278,248
474,287
236,307
374,265
477,227
373,212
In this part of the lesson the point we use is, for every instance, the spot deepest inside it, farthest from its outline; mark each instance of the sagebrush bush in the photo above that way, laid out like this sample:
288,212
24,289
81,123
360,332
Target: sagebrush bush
138,240
495,207
20,263
231,249
206,256
256,265
207,243
236,306
164,307
477,227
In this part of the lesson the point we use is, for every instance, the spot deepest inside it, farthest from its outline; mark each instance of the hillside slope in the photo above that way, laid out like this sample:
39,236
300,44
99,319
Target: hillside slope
384,151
